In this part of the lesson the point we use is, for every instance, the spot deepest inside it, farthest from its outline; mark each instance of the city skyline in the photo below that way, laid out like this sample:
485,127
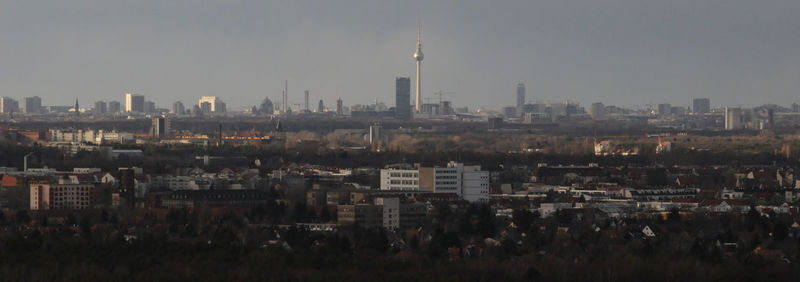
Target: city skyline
616,53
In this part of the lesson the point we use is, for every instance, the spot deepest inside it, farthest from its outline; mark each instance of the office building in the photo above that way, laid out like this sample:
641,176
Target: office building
701,106
114,107
134,103
664,109
149,107
100,108
214,104
33,105
597,111
733,118
178,108
400,179
159,127
402,108
468,182
520,97
8,105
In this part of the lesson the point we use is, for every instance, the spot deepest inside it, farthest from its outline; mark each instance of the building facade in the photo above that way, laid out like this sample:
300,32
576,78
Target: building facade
33,105
211,104
8,105
400,179
61,196
134,103
402,108
100,108
701,106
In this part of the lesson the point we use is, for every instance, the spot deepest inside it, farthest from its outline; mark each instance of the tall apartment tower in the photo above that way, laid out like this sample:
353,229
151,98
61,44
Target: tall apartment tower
339,107
33,105
402,108
701,106
134,103
520,97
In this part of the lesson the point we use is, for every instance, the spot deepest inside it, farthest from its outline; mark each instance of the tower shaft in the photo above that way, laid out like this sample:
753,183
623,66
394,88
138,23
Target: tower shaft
418,103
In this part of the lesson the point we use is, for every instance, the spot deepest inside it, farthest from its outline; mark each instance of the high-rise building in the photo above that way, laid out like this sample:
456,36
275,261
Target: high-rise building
114,107
701,106
33,105
8,105
134,103
597,111
418,56
100,108
178,108
402,108
159,127
286,97
307,108
733,118
520,97
215,104
149,107
664,109
320,107
339,107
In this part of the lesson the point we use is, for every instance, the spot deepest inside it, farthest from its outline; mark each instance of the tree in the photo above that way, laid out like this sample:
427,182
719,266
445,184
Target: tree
23,217
522,219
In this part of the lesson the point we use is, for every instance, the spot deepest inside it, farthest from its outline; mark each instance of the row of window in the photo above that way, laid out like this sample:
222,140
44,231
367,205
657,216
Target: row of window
403,174
404,182
447,177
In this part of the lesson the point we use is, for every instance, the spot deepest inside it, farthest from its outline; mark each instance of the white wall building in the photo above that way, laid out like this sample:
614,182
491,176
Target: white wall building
475,184
448,179
391,212
400,179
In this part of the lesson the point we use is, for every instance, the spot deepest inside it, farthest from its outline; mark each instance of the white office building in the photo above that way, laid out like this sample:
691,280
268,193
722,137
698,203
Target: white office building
475,184
400,179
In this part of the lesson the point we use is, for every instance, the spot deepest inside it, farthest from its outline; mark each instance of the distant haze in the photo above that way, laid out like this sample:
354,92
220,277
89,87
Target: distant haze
624,52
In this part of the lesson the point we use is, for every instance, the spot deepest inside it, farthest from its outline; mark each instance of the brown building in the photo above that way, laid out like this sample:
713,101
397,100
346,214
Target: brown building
45,196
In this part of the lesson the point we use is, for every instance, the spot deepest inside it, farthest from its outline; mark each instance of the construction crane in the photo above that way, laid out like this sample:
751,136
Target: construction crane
440,93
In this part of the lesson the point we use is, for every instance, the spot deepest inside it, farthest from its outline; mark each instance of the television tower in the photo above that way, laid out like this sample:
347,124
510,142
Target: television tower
418,57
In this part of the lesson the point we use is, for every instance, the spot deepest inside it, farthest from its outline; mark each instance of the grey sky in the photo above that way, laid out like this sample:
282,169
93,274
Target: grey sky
624,52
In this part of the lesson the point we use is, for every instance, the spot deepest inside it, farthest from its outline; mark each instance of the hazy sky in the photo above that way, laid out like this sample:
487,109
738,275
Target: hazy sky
624,52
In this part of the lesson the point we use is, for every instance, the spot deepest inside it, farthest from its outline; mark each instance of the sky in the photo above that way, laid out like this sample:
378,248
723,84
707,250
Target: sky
621,52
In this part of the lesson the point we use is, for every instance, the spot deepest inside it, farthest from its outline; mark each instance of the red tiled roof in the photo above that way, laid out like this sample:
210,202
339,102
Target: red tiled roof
9,181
